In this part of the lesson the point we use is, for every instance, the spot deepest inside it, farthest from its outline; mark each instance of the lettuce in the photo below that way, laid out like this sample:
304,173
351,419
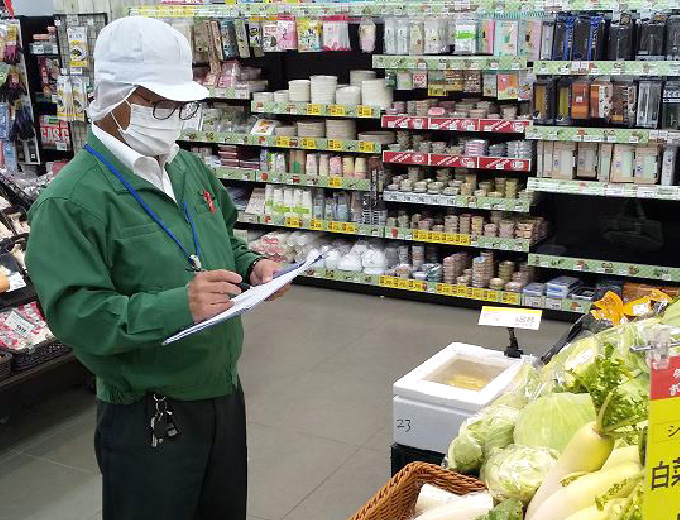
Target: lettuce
517,471
551,421
492,428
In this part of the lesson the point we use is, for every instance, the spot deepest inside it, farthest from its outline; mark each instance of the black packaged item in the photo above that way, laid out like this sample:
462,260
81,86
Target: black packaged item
563,38
673,38
622,39
671,106
544,102
651,36
649,103
624,103
580,49
598,31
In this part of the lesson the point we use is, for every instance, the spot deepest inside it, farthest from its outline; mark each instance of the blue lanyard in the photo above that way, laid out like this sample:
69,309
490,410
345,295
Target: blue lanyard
192,259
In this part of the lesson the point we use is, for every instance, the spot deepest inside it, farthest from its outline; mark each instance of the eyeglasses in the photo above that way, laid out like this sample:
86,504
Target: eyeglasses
164,108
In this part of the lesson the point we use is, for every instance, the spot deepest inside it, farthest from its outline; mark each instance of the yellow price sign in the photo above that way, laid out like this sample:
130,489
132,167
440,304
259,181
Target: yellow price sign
436,91
366,147
437,237
338,110
308,142
335,227
316,225
283,141
417,286
314,110
463,291
364,111
335,182
403,283
293,221
493,296
511,298
450,238
464,240
334,144
420,234
386,281
349,227
478,294
446,289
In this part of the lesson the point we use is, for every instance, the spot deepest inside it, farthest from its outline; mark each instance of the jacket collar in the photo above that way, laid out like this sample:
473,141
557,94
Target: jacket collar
135,181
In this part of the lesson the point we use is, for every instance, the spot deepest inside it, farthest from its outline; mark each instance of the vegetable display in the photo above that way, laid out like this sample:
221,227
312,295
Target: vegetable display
578,431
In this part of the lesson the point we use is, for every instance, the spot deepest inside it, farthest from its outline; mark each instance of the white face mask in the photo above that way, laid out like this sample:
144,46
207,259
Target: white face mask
150,136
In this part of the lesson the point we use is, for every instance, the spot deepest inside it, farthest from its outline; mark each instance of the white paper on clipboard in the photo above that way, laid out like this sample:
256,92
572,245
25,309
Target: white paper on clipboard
247,300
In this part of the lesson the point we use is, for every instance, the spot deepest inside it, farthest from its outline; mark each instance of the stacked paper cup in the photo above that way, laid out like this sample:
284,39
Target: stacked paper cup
263,97
281,96
310,128
323,89
298,90
357,76
375,93
348,96
341,129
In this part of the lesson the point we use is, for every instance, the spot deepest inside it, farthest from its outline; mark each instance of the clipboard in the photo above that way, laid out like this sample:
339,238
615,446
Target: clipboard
247,300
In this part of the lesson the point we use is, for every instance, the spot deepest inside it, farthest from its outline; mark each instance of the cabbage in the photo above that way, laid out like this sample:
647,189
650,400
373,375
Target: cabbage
492,428
517,471
552,420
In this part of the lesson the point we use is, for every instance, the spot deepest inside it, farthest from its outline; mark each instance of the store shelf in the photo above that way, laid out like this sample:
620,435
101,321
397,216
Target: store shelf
241,93
448,290
607,68
503,126
311,109
413,235
294,179
588,135
44,48
456,239
481,63
521,204
307,143
603,189
587,265
369,8
346,228
443,160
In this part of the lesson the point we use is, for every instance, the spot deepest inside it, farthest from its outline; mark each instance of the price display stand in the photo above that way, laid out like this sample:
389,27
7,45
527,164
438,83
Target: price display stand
662,469
529,319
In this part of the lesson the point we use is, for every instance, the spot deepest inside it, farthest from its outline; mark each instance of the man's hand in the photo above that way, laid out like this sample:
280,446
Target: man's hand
209,293
263,272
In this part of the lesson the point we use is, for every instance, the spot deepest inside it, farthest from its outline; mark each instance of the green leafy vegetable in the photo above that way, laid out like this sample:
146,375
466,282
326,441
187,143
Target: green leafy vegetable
552,420
492,428
511,509
517,471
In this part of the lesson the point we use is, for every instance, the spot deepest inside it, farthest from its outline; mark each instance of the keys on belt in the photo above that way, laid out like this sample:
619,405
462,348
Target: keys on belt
163,426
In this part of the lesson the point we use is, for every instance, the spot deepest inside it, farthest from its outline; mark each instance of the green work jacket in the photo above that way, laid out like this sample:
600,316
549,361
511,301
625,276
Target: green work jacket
113,284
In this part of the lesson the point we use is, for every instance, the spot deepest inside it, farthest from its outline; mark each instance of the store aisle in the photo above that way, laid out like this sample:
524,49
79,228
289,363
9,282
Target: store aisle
317,369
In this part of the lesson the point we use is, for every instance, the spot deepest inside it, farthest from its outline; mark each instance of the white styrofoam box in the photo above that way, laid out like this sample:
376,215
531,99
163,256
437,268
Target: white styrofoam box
427,382
426,426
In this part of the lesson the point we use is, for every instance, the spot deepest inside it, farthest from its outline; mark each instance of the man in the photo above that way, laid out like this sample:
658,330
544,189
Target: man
132,242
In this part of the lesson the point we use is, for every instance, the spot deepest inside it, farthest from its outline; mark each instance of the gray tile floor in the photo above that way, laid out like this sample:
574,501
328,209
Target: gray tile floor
317,370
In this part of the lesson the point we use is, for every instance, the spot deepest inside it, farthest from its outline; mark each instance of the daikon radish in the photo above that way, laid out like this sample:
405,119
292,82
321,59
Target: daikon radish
586,452
622,455
593,513
583,492
455,512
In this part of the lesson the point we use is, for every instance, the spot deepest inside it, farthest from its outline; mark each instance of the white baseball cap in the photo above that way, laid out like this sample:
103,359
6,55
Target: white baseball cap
149,53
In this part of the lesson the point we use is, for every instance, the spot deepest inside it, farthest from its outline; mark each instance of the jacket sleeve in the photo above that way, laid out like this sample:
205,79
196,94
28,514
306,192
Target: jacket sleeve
67,262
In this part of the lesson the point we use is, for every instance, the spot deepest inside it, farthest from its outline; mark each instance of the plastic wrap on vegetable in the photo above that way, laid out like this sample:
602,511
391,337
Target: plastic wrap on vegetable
492,428
524,388
552,420
517,471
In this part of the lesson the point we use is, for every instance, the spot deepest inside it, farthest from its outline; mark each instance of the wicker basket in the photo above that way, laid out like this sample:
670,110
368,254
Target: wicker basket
397,499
